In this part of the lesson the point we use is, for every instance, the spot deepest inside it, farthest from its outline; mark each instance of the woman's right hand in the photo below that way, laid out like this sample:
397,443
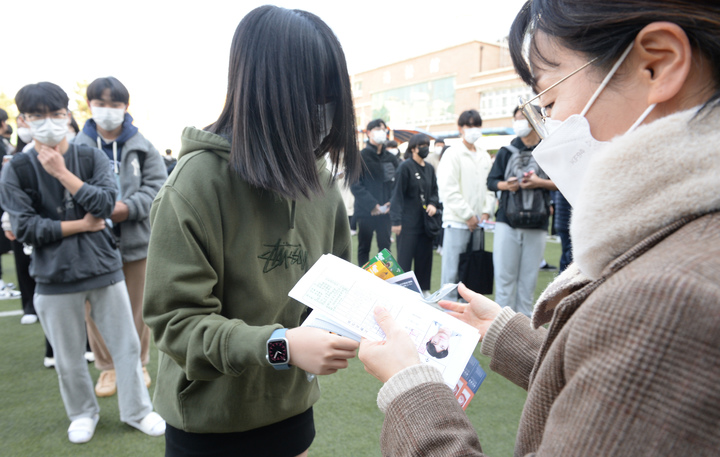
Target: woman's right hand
10,235
479,311
318,351
396,229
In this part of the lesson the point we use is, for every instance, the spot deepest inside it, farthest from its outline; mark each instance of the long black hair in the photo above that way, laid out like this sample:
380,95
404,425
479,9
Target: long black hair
285,66
602,29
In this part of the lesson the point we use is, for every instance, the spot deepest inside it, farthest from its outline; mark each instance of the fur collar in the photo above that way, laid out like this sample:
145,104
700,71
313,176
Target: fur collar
643,181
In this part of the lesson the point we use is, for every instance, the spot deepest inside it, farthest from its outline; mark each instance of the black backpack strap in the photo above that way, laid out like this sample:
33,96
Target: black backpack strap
27,178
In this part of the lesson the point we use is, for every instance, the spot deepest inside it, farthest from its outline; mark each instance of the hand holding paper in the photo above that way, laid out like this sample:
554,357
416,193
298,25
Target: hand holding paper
383,359
318,351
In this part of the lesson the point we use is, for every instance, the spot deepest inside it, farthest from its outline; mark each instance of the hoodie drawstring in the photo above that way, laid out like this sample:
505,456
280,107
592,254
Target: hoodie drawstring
115,161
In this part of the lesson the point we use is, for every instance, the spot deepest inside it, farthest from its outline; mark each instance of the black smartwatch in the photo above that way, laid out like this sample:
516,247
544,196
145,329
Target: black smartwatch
278,351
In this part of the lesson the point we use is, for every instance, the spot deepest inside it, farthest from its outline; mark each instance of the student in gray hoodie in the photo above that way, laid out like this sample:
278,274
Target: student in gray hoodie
140,172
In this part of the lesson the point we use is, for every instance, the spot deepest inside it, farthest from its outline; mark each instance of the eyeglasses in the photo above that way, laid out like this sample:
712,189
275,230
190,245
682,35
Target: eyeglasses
536,117
61,114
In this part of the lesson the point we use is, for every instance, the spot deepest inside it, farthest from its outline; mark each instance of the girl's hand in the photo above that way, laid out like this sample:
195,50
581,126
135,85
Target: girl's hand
479,311
383,359
396,229
319,351
431,210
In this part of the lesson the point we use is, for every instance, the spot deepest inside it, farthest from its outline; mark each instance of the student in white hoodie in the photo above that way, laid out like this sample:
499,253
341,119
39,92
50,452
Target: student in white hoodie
462,177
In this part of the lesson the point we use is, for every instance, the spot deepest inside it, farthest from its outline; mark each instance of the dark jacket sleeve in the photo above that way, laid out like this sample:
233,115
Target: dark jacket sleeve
396,204
497,172
97,195
28,226
364,200
434,197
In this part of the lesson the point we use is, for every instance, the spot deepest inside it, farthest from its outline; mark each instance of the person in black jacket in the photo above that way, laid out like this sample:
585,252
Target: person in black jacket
416,193
373,191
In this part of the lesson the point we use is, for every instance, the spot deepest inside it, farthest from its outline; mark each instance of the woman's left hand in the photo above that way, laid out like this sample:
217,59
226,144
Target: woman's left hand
431,210
383,359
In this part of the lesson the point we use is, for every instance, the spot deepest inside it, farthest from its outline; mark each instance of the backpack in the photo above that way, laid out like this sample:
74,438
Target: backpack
525,208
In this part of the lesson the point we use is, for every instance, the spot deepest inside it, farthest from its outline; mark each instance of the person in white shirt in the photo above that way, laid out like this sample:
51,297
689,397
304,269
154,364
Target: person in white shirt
462,178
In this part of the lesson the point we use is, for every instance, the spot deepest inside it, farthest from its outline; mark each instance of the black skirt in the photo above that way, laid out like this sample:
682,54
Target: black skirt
287,438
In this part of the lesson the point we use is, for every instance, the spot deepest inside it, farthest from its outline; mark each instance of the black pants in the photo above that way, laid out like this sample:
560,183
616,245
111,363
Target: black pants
287,438
366,227
25,281
417,246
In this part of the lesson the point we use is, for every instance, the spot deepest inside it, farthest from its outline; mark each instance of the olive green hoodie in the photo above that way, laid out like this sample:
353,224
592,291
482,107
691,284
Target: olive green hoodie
223,256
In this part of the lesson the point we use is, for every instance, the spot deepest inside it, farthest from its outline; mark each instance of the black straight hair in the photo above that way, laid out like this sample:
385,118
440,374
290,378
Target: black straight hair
285,65
118,91
470,117
43,97
374,124
3,115
602,29
415,141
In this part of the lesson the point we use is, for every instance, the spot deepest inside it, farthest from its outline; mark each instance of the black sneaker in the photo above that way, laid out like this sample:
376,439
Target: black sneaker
548,267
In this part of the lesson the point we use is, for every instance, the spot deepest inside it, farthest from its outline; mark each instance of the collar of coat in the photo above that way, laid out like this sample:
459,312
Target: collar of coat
642,186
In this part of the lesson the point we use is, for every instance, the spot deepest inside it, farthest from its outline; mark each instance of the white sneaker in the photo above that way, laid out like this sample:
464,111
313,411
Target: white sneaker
49,362
90,357
28,319
82,430
152,424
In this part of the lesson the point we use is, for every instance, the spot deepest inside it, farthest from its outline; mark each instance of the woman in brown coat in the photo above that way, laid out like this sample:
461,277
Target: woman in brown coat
630,361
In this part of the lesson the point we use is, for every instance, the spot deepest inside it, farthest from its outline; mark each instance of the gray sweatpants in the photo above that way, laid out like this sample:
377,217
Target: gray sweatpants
63,319
455,242
517,254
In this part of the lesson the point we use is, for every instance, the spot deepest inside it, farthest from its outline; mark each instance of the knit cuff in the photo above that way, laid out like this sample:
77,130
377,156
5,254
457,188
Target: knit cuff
488,342
405,380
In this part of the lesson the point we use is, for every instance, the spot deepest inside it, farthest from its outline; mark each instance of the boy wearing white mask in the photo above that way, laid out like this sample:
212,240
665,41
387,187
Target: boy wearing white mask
373,191
466,201
518,246
59,196
139,171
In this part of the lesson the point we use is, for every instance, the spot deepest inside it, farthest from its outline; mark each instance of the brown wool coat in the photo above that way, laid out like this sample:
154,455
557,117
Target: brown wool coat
629,365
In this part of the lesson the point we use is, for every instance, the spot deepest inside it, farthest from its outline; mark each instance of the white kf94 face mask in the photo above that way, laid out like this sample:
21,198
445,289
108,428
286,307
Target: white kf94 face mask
108,118
567,150
49,131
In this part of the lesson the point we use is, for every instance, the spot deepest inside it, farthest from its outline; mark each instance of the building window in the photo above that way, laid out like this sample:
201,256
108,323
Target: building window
409,71
434,65
418,105
500,103
357,89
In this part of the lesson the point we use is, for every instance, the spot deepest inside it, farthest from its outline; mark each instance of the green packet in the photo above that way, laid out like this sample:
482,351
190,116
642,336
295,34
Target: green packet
383,265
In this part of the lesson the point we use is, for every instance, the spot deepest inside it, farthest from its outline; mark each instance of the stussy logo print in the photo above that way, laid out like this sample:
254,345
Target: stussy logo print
282,253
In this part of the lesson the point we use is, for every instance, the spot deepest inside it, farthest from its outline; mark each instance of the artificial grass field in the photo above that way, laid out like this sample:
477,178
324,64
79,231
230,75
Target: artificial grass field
348,422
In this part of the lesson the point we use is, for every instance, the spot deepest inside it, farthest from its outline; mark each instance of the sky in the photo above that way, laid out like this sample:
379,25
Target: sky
173,56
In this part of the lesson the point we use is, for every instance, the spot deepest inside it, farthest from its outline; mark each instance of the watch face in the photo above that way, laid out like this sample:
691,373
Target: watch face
277,352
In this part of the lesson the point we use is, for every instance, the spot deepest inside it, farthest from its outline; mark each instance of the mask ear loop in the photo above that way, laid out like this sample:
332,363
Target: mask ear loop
642,117
607,79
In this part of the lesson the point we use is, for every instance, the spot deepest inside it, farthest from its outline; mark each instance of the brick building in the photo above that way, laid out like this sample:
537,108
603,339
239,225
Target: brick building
430,91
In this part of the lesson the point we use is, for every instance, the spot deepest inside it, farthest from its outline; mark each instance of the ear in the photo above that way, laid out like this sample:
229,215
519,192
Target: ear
666,56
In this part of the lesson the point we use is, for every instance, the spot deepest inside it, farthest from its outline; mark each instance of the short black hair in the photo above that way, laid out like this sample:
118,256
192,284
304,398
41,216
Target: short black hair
3,115
285,65
118,91
8,129
42,97
433,352
375,123
470,118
